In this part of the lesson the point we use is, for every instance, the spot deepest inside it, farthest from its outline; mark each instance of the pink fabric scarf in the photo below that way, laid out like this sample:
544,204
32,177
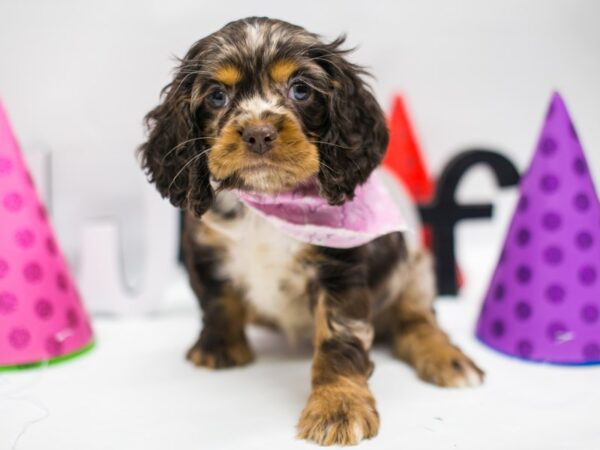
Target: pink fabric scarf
307,217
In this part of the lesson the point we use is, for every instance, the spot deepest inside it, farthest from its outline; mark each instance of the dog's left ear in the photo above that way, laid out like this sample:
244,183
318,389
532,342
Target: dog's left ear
356,137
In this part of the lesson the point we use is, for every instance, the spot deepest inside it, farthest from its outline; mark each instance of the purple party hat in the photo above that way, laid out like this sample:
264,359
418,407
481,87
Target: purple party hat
543,303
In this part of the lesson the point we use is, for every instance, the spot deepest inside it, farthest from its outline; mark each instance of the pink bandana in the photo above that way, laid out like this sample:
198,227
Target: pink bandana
307,217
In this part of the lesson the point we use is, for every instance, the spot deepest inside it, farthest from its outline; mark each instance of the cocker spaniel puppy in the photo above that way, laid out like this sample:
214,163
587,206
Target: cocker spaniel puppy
269,139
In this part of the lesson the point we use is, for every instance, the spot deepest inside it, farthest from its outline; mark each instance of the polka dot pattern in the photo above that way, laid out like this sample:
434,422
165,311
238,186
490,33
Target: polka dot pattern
580,167
32,272
61,282
587,275
19,338
590,313
498,328
42,214
524,348
499,292
523,310
53,346
548,146
523,237
544,299
582,202
551,221
44,309
555,293
549,183
51,246
24,238
72,318
523,274
13,202
591,351
584,240
41,316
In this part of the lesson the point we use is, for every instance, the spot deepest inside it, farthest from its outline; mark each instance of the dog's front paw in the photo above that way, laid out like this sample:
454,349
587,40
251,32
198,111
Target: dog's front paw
341,413
235,354
447,366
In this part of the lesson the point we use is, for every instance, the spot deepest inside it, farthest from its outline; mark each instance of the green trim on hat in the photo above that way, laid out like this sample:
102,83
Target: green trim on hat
50,362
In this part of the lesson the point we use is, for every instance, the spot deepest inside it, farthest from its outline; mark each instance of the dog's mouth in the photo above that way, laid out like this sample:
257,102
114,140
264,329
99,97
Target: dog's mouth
267,176
255,168
287,158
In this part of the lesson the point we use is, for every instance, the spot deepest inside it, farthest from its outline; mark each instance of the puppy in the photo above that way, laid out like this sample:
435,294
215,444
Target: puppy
264,108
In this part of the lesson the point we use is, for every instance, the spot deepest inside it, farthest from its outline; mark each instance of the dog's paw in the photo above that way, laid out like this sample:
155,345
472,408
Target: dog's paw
342,413
232,355
448,366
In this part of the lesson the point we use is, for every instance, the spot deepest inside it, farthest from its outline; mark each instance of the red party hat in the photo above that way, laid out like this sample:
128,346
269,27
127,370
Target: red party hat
404,158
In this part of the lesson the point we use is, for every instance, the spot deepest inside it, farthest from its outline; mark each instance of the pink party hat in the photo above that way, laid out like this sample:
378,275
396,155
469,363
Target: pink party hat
543,303
42,319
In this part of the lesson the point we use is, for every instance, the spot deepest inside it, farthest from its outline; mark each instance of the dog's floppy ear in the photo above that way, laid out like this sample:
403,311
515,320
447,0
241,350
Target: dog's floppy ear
356,136
173,158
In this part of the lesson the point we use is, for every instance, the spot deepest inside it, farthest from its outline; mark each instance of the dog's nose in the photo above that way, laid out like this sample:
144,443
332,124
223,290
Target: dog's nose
259,138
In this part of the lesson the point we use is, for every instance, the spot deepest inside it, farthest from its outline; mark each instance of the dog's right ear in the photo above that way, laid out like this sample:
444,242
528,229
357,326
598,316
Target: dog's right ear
174,160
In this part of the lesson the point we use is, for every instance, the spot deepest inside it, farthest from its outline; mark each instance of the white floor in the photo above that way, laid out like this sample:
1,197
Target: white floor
136,391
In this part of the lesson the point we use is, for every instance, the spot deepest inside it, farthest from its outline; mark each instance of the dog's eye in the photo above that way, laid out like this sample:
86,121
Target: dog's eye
218,98
299,91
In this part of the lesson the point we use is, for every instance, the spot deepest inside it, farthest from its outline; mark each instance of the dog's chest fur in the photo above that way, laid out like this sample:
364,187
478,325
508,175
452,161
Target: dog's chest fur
268,268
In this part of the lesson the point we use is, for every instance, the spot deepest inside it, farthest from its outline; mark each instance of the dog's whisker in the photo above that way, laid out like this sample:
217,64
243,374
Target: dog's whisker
190,161
326,166
181,144
332,144
293,160
317,142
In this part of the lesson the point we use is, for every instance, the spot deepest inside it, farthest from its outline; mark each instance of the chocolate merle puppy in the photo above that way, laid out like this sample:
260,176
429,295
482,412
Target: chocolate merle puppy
263,106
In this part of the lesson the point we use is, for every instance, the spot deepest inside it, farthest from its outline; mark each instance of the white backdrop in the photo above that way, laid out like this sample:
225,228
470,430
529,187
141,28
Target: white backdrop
78,76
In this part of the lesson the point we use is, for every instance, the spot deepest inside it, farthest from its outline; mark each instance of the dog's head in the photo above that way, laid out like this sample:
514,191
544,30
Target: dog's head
263,105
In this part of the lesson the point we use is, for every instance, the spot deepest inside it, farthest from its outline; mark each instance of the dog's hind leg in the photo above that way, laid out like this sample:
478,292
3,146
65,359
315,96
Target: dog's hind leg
417,337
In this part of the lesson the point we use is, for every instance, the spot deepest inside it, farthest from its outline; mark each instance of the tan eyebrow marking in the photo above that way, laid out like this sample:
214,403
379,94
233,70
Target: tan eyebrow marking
282,70
228,75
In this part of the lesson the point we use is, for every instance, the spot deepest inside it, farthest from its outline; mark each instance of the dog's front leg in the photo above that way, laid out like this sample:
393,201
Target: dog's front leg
341,409
222,342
